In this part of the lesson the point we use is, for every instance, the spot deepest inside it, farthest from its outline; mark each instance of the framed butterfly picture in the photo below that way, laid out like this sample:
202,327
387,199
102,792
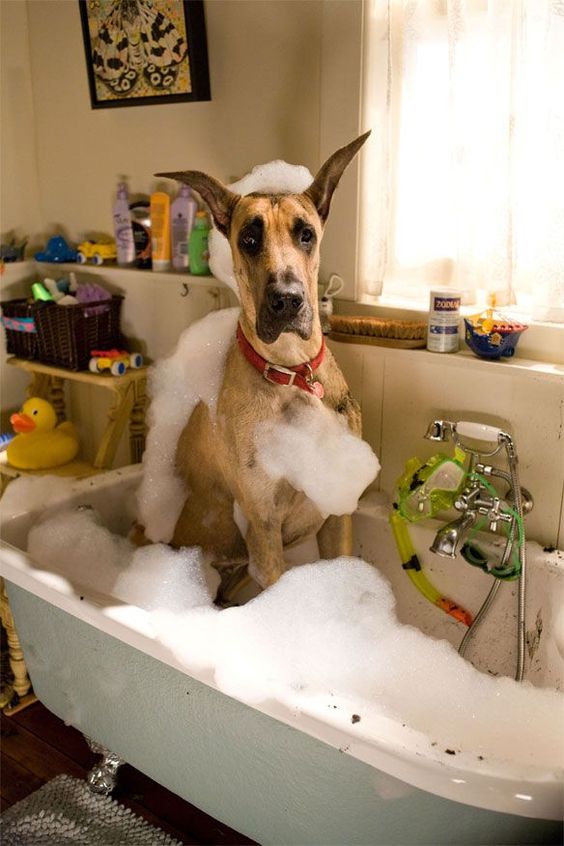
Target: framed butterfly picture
143,52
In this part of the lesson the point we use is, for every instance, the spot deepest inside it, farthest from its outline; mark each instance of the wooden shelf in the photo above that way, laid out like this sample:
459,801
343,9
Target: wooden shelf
102,380
77,469
128,405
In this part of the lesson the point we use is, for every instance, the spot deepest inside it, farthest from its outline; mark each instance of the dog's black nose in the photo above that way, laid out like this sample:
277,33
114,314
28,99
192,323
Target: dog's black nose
285,300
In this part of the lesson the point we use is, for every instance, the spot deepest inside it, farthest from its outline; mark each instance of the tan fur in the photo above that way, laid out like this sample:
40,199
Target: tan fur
216,457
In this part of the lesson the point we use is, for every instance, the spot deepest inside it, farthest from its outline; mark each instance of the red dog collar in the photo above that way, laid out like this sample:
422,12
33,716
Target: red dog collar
301,375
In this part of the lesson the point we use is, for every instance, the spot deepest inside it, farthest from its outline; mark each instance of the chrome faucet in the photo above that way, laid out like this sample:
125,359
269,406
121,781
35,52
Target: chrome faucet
448,538
474,501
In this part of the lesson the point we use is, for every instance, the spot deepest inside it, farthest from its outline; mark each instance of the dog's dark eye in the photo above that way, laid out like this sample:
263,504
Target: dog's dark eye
250,237
304,234
248,241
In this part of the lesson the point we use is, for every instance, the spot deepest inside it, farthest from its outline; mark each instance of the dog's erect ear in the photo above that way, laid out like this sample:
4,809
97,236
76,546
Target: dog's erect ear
221,200
322,188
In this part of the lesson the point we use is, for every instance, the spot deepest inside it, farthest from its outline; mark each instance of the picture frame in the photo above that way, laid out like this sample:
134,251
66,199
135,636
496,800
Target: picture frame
145,52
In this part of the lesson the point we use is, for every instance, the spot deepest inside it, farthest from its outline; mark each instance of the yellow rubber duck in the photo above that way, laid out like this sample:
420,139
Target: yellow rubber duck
39,443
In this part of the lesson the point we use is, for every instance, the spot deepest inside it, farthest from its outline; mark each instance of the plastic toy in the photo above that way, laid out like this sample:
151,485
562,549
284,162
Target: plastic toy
96,251
491,334
12,251
116,361
40,293
63,287
500,341
334,287
39,443
57,250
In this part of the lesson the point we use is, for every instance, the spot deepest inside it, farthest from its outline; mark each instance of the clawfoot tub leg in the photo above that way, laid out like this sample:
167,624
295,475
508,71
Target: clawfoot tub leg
102,778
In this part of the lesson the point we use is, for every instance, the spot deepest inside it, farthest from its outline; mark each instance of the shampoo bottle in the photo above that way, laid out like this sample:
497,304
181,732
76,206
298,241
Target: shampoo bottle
182,214
160,230
125,245
198,245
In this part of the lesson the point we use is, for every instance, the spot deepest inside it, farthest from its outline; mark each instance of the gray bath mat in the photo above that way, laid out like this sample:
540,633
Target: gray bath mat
64,811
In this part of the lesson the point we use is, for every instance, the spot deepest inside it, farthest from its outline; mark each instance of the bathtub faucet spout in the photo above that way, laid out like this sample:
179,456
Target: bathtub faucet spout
448,538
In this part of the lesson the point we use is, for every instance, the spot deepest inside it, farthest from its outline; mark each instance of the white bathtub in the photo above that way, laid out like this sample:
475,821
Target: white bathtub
293,774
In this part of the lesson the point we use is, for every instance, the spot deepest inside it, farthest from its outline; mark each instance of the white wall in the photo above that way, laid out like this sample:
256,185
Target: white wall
264,72
20,212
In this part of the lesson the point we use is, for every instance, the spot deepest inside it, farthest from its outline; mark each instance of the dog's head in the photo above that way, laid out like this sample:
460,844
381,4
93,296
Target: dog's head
275,244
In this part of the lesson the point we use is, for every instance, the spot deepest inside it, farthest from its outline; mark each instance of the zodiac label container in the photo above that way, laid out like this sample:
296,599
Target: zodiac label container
444,320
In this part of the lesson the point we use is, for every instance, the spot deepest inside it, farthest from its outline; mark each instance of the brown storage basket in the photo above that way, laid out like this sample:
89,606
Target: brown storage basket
20,341
66,335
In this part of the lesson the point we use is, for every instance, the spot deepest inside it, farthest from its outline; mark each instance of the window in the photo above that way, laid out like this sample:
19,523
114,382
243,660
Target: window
463,179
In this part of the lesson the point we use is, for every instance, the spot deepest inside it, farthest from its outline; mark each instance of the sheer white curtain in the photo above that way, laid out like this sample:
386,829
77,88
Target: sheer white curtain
463,178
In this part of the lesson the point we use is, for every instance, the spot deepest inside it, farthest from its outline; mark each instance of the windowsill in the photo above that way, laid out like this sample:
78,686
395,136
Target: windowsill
542,342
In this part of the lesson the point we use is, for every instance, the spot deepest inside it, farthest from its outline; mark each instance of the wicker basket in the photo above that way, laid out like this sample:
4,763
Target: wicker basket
65,335
18,319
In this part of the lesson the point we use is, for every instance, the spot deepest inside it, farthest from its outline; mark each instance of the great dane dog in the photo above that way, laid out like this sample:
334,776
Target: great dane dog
277,363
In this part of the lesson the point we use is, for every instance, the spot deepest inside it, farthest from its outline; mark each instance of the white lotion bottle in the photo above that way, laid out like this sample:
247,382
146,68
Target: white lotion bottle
182,214
125,243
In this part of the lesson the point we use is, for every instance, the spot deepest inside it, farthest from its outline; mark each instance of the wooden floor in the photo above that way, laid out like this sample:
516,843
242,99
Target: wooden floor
36,746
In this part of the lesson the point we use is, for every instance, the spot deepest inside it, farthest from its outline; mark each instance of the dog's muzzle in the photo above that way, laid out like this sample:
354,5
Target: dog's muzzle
283,303
285,308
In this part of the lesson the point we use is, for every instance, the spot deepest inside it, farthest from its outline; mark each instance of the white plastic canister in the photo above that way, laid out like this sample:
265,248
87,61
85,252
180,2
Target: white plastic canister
444,321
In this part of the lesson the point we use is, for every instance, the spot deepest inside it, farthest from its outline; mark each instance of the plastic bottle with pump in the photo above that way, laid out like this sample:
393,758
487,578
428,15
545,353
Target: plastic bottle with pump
125,244
182,213
198,245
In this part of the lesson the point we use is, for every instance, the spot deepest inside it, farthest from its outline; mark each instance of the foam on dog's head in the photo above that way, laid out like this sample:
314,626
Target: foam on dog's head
275,177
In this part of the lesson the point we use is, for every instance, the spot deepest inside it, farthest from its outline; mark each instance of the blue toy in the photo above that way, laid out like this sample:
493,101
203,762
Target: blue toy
57,250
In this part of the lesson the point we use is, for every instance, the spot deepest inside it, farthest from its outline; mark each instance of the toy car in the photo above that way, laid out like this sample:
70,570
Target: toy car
116,361
97,251
57,250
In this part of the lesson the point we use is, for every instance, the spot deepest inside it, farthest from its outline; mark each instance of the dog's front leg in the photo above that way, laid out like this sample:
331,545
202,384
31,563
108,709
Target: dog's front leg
335,537
266,556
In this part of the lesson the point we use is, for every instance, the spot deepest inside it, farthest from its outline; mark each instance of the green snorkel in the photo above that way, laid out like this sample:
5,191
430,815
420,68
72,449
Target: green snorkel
412,566
424,489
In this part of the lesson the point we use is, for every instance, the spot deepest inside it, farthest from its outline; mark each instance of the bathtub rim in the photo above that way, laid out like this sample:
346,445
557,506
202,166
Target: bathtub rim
538,794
